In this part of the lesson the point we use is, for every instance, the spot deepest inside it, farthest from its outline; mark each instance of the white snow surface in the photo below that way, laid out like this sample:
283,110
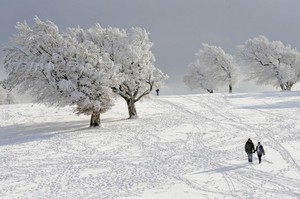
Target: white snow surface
180,147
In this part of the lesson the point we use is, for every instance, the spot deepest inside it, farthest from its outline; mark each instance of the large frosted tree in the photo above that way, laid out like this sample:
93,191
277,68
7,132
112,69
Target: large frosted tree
58,69
131,51
270,62
213,68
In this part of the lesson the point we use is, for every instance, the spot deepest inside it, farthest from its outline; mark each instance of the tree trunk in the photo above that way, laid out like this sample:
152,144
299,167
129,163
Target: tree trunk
131,108
288,86
95,119
230,88
282,87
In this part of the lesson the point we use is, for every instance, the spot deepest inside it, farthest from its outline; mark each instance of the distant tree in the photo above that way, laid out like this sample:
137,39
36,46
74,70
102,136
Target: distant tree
2,95
6,97
130,50
58,69
270,62
213,68
10,99
196,77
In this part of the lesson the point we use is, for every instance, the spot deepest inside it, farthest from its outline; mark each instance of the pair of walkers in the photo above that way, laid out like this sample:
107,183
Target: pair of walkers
249,149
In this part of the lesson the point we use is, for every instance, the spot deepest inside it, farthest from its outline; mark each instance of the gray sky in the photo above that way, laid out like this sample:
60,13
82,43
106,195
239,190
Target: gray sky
178,27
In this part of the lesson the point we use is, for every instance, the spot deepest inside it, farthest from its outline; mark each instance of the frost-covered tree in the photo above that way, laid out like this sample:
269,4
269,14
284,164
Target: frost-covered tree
197,77
6,97
131,51
10,99
270,62
213,68
2,95
58,69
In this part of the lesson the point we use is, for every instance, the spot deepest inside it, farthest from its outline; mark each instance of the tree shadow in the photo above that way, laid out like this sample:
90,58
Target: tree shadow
279,105
224,168
21,133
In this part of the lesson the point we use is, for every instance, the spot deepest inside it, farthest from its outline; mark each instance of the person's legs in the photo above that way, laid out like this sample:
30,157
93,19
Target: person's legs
259,158
249,157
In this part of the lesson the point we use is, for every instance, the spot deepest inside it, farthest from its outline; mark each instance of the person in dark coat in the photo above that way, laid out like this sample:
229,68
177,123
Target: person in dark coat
157,92
249,149
260,151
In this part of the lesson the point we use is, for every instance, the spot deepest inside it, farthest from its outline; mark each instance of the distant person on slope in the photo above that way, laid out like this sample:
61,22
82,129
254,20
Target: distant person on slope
260,151
157,92
249,149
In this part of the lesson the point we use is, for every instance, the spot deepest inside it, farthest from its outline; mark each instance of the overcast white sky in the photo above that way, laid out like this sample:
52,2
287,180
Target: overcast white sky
178,27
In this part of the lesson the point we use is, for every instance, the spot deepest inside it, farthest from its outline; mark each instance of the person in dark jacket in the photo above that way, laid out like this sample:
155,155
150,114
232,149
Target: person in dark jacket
260,151
249,149
157,92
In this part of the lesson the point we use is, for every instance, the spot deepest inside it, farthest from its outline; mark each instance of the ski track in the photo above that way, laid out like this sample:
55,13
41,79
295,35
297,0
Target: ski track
125,162
216,108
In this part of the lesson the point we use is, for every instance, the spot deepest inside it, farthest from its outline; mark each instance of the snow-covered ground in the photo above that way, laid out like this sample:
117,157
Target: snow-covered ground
180,147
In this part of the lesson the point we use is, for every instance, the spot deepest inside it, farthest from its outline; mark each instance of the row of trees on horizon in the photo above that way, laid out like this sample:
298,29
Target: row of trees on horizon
82,67
88,68
267,62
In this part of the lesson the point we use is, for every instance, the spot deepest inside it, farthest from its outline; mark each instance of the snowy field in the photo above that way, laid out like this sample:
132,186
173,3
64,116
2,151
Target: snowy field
180,147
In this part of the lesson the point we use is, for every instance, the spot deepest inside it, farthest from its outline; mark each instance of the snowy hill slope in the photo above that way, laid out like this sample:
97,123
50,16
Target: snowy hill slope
189,146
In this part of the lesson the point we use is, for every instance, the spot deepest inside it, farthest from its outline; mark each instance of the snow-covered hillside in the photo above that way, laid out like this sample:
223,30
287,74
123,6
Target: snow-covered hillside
180,147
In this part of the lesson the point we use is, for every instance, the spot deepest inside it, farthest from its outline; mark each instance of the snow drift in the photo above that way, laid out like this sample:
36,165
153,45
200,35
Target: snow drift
189,146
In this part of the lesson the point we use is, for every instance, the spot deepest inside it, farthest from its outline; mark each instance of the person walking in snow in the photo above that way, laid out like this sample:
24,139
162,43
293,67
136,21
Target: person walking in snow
260,151
249,149
157,92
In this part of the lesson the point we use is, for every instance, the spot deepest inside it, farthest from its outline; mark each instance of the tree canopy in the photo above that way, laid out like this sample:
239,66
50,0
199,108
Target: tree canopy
131,51
58,69
270,62
82,67
213,68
